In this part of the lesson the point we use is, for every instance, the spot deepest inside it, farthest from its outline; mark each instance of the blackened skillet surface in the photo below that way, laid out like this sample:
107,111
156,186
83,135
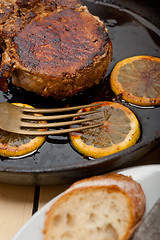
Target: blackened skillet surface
134,30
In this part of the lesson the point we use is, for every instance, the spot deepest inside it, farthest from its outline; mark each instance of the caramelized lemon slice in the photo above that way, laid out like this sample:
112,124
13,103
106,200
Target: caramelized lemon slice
15,145
137,79
120,130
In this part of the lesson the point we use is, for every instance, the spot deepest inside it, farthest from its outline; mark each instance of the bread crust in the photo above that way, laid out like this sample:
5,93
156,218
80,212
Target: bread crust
91,189
131,187
111,183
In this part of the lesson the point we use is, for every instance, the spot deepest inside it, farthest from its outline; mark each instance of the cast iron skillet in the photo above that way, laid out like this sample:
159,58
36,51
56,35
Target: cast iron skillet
134,28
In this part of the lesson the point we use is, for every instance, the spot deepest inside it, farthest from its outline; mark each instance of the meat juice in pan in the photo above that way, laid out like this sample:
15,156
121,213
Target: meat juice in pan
130,35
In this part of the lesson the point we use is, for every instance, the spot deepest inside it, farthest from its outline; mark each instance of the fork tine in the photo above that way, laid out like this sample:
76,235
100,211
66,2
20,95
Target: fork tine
56,117
9,111
56,110
57,132
56,124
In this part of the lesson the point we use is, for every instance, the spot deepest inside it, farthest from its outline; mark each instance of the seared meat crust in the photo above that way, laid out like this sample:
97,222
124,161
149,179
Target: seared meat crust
60,52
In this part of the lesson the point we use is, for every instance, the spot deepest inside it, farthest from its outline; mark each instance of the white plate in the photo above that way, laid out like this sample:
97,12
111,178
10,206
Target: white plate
148,176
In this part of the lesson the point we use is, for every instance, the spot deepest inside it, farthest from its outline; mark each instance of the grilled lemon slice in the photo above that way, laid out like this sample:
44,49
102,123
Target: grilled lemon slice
120,129
15,145
137,79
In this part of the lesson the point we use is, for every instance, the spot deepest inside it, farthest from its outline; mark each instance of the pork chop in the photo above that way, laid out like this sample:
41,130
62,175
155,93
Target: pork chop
53,48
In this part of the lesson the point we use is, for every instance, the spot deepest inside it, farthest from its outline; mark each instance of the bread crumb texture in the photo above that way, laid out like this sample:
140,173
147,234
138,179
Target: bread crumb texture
95,212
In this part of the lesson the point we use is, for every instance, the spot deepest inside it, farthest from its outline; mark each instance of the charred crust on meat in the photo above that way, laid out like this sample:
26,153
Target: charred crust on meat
62,47
26,3
62,3
54,48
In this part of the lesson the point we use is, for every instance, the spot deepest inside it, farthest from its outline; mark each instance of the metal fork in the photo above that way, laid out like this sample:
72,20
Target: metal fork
30,121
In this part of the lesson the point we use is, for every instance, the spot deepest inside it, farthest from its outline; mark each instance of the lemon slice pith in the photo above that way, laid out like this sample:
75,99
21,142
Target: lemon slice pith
137,79
119,131
15,145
